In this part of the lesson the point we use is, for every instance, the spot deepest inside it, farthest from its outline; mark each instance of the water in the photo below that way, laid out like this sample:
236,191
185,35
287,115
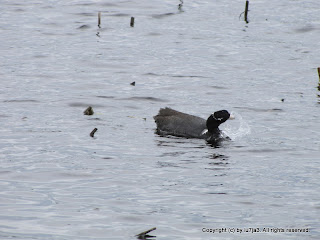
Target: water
59,183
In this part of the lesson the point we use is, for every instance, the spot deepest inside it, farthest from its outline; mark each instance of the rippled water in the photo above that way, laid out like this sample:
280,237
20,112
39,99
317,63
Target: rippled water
59,183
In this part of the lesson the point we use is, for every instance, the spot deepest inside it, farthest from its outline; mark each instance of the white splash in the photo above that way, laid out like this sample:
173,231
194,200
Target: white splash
231,130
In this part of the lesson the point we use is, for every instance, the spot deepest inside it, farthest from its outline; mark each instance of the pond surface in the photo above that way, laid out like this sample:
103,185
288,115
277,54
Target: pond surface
58,183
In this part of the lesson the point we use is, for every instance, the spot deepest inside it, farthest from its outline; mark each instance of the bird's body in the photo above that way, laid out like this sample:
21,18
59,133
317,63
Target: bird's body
172,122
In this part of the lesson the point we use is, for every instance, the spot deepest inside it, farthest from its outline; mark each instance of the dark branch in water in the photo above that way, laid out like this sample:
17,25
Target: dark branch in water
319,78
132,22
99,19
144,235
245,12
93,132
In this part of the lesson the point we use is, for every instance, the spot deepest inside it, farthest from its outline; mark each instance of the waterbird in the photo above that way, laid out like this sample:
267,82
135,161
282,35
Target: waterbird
175,123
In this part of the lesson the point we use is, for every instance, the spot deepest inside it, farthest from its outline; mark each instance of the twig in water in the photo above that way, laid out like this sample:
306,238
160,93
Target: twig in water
319,78
144,235
99,19
93,132
132,22
246,12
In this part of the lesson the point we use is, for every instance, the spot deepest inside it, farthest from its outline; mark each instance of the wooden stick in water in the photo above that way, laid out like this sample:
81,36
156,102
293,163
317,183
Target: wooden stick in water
246,12
143,234
99,19
132,22
93,132
319,78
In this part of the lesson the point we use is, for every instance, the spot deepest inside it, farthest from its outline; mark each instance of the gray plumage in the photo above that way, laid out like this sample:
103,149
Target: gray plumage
172,122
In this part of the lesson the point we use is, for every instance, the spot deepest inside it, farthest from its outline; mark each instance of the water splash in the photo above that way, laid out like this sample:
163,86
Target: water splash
233,131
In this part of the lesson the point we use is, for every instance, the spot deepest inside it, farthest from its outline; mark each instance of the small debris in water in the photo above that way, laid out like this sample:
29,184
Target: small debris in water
132,22
88,111
144,235
99,19
282,100
133,83
93,132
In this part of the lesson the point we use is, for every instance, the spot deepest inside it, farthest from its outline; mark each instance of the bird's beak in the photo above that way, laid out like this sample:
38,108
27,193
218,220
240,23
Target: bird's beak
204,132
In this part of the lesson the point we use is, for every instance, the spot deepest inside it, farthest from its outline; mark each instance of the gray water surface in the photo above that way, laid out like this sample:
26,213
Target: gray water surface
59,183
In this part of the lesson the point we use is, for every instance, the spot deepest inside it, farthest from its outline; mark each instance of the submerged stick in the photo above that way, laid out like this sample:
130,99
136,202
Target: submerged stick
93,132
319,78
246,12
99,19
144,234
132,22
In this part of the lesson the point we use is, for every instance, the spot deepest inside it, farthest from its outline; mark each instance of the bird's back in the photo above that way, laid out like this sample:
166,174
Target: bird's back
172,122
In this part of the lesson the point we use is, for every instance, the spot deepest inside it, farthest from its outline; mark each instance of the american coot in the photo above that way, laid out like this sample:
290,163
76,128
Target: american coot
172,122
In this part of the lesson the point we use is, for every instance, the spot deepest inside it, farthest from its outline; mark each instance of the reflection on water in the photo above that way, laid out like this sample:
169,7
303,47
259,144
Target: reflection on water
163,15
145,99
162,164
306,29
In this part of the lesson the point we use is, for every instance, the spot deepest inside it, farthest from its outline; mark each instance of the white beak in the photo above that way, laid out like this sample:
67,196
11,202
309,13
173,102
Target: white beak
232,117
204,131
